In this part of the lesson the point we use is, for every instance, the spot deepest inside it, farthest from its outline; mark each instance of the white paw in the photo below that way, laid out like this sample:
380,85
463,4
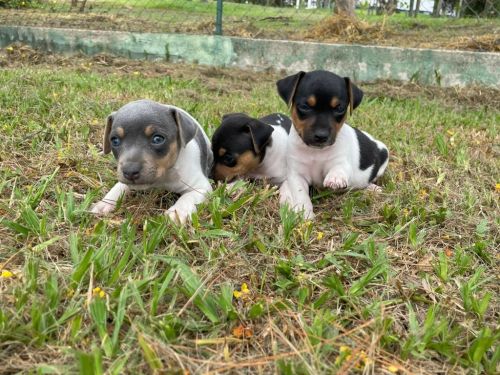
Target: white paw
178,215
308,213
335,181
305,208
285,194
374,188
103,207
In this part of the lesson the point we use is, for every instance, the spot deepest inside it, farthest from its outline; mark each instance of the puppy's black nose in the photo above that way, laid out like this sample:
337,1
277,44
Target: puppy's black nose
321,136
132,172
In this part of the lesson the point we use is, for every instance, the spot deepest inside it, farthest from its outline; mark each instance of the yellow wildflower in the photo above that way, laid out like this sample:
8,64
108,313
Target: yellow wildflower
393,369
98,292
344,354
136,73
244,288
10,49
320,236
344,349
237,294
497,187
241,293
6,274
423,193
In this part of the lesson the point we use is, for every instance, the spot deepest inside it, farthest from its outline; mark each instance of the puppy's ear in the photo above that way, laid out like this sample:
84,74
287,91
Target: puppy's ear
354,94
105,142
287,87
235,115
186,128
260,133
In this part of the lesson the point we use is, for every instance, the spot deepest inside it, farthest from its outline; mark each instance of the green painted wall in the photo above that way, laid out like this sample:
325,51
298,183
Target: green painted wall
362,63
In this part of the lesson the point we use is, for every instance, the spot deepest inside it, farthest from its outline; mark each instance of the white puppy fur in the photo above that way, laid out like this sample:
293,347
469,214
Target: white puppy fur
335,167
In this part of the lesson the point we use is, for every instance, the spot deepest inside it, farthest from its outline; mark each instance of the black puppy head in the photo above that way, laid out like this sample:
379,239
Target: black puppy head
145,138
239,145
319,101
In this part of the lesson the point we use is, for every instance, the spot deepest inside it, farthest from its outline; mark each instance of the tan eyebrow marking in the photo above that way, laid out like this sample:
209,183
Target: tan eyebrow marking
222,151
149,130
311,101
334,102
121,132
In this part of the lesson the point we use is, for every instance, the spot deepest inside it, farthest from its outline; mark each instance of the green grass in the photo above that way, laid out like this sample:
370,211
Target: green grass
406,279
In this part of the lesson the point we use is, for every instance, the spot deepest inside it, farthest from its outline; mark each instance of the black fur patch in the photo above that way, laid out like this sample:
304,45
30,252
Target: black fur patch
278,119
206,157
370,154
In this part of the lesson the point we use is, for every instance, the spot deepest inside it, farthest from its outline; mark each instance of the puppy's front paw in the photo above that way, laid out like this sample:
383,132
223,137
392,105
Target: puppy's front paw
308,213
177,215
374,188
103,207
335,181
285,194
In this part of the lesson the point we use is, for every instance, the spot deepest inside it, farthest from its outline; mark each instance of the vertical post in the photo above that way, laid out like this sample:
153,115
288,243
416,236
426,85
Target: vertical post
218,18
410,8
417,9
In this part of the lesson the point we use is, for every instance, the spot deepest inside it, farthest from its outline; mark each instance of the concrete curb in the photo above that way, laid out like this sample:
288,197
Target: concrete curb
362,63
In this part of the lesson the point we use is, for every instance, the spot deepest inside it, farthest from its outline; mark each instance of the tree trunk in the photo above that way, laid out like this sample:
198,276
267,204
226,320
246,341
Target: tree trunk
345,8
417,9
437,8
410,8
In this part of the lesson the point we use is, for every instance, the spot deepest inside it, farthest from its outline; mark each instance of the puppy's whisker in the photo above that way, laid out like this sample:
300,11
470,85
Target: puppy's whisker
192,187
109,201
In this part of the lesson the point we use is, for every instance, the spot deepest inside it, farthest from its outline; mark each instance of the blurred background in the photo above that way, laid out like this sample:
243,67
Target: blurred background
451,24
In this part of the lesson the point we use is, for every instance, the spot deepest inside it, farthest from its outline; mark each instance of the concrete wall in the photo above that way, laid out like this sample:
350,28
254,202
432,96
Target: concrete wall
362,63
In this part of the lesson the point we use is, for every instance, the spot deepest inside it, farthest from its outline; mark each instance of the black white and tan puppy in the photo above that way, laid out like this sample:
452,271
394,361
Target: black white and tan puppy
158,146
324,151
246,147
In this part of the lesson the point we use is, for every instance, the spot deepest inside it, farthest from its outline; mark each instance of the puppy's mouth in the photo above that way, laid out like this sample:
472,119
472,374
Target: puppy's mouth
320,145
140,181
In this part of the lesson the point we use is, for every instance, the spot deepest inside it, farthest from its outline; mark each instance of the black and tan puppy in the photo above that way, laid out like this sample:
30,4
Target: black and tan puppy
246,147
324,151
158,146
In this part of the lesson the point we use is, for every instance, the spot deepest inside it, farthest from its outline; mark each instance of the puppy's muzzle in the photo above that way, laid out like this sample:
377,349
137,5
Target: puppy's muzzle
320,138
132,171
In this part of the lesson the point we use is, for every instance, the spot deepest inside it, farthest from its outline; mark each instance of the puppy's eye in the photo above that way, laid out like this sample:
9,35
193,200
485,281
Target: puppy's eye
228,160
341,108
157,139
303,107
115,141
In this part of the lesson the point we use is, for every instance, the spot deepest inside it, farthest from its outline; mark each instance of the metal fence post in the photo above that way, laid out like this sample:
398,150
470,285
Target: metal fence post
218,18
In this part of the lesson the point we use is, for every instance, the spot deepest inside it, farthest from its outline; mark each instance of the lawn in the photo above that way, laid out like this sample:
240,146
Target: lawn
403,281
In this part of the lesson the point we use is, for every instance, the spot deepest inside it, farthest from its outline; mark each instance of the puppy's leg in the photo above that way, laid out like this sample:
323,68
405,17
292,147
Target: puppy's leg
295,192
374,188
285,194
186,204
337,178
108,203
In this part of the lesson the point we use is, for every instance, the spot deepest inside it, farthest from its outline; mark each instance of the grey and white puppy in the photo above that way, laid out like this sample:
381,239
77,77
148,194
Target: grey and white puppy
158,146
